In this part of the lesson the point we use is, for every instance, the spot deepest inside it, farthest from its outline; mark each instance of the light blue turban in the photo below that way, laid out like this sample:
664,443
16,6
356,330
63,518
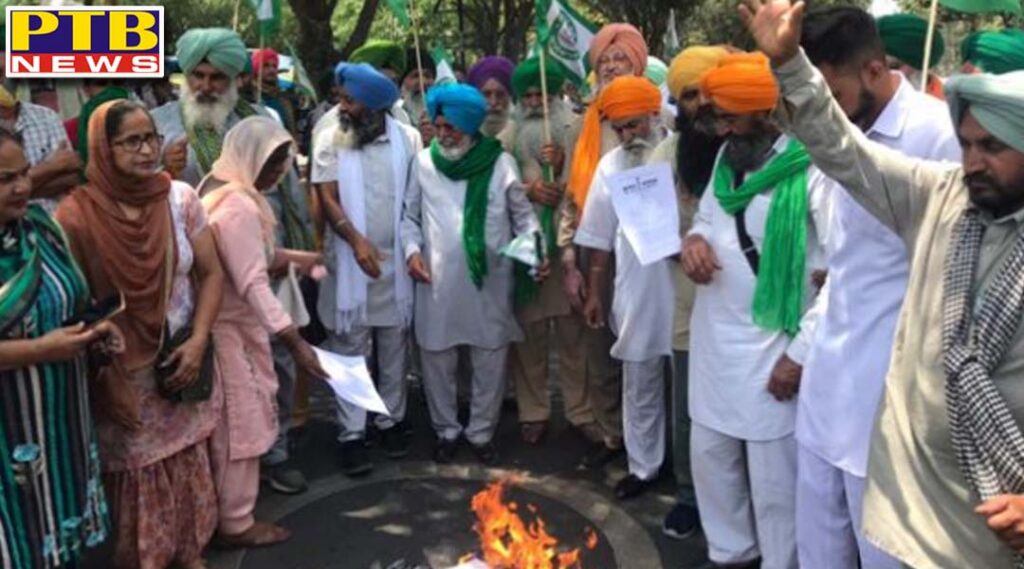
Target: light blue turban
367,85
997,101
221,47
460,104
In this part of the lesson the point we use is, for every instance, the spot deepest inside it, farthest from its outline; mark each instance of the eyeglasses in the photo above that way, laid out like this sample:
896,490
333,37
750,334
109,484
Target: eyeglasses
134,143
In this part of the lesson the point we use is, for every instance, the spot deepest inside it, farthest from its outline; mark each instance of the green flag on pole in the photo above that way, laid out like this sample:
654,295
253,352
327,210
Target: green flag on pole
268,12
567,35
443,64
299,75
400,8
984,6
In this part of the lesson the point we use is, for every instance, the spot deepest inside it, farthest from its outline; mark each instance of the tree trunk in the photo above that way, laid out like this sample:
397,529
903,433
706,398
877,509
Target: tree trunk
316,38
362,30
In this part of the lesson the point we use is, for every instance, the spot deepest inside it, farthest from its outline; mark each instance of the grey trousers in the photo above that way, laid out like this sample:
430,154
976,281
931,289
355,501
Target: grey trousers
284,365
387,348
488,390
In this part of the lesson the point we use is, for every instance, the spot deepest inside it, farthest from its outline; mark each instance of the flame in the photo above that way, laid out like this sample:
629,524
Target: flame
507,542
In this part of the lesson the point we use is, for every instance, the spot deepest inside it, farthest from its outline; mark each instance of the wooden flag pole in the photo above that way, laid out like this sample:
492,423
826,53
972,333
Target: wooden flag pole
933,20
419,56
259,72
234,21
544,96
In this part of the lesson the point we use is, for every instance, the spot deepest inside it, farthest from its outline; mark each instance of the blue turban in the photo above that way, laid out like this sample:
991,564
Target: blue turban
460,104
367,85
221,47
996,101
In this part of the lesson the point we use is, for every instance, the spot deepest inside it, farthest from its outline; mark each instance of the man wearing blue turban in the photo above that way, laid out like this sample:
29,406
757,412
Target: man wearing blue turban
193,128
464,204
945,478
366,299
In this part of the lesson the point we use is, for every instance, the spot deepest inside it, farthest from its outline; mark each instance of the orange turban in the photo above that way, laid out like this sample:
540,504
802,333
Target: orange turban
629,97
742,83
626,37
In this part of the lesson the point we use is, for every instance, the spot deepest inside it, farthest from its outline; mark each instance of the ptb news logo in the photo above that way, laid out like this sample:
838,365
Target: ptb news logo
85,41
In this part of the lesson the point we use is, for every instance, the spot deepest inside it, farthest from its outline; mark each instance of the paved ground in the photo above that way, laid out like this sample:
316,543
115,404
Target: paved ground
413,510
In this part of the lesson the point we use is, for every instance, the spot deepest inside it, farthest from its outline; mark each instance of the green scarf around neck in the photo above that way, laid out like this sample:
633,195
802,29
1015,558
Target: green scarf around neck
779,295
476,168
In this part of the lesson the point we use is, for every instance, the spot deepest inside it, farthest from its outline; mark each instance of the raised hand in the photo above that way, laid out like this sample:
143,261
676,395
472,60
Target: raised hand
775,26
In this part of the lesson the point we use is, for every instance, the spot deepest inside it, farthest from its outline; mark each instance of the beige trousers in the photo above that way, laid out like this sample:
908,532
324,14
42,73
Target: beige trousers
531,369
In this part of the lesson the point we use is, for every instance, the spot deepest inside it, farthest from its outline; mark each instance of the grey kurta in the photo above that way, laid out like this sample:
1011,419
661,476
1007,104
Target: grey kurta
917,505
451,311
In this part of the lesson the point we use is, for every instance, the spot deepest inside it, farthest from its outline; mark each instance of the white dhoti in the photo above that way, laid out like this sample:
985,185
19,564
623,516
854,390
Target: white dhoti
828,518
385,348
643,416
746,493
488,389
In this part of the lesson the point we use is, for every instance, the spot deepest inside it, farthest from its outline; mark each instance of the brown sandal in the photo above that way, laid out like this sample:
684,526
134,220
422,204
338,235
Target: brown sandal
533,432
260,534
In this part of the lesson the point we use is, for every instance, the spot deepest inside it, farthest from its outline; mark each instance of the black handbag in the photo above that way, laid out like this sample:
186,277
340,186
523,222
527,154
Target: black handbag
198,390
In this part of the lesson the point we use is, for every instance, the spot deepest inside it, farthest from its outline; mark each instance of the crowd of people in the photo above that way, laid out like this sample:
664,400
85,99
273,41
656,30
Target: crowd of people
830,360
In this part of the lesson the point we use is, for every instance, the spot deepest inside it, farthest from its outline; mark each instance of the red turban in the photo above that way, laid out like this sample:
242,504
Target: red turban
265,55
742,83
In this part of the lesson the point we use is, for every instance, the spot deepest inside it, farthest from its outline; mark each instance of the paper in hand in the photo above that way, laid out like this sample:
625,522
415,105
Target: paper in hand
350,379
524,248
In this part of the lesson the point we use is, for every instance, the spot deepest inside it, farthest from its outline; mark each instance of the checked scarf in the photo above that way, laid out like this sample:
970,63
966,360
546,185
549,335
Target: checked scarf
988,443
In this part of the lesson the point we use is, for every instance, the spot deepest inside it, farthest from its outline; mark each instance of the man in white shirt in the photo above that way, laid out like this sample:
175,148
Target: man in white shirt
844,371
366,300
644,296
752,249
464,203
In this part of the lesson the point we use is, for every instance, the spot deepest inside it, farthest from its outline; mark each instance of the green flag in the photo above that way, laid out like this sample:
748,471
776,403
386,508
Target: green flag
268,12
443,64
400,8
984,6
567,35
299,75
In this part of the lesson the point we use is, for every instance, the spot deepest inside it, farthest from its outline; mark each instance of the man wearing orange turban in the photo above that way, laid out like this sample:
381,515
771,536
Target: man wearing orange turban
617,50
752,251
643,294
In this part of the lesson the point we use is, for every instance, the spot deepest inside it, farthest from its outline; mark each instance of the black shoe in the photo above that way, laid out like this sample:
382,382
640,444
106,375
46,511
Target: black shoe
682,522
631,487
355,459
284,480
445,450
485,453
394,442
600,454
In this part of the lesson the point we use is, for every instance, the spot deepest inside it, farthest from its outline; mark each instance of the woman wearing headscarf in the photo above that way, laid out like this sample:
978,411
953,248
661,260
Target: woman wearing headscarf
52,500
257,153
135,231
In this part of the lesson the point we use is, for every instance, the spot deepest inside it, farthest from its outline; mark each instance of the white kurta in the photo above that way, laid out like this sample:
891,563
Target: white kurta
731,358
644,298
844,371
452,311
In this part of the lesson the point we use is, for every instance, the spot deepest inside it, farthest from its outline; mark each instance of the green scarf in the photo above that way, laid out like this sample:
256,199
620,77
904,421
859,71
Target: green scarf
476,168
111,93
779,295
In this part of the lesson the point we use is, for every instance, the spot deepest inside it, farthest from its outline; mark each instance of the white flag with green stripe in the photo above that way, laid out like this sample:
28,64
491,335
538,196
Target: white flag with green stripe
567,35
268,12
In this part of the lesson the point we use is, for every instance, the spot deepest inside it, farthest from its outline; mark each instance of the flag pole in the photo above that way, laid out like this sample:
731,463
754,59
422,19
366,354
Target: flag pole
933,19
419,57
234,21
259,72
544,96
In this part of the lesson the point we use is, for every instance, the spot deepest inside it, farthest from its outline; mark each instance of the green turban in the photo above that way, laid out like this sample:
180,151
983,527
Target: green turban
221,47
996,101
656,71
904,36
995,52
527,75
381,54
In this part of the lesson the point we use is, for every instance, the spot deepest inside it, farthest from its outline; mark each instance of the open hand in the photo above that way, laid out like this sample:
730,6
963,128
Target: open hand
418,269
775,26
368,257
573,285
593,312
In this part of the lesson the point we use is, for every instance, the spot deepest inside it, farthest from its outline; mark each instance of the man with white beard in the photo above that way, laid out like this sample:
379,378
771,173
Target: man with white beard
548,322
193,129
492,75
644,296
464,203
366,300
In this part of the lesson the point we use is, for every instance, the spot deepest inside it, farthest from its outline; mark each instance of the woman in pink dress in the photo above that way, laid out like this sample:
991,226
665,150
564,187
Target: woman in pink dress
256,154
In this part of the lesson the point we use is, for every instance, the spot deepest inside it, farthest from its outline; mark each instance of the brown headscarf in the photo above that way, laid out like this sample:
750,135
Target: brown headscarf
121,254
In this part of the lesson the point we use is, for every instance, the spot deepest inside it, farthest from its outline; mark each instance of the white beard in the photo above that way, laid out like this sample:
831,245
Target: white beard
494,123
639,150
456,153
212,115
530,132
346,139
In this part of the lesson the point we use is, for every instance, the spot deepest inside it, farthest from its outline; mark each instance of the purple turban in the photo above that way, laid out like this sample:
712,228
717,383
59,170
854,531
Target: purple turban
492,67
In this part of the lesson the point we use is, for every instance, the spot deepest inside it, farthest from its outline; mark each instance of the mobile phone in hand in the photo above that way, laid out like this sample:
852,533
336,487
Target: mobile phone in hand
99,311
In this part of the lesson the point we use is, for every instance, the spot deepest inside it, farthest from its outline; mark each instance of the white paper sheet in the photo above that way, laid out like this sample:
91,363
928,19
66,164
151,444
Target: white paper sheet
350,379
644,199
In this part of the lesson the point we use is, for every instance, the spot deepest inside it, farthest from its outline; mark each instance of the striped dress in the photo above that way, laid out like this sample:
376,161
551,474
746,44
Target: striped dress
52,504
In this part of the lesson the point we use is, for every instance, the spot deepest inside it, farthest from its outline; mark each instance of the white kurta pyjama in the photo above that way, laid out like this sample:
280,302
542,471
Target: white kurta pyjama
853,322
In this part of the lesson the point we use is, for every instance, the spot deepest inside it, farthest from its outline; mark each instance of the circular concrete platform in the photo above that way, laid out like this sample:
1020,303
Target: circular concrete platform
420,513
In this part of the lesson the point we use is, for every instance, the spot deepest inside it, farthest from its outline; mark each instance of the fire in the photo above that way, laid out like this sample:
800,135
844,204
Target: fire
507,542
